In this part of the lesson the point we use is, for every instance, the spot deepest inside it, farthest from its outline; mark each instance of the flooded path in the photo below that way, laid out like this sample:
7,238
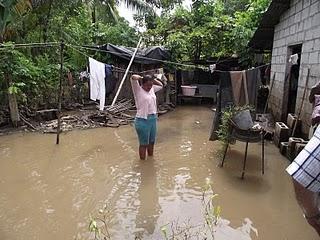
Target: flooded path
48,191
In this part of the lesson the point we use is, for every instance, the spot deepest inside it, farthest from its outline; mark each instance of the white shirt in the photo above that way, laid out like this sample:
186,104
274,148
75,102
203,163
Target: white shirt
146,102
97,83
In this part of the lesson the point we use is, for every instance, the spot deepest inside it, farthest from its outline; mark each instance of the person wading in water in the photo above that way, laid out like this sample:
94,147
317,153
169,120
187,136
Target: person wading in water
144,89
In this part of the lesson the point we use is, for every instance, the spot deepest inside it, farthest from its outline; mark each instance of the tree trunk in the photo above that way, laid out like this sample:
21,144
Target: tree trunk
94,22
46,22
13,104
12,99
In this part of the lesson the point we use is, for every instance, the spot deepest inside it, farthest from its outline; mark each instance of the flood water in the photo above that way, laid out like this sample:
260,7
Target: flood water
48,191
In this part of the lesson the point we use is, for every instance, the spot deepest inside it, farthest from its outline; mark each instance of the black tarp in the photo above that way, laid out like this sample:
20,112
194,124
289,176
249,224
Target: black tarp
144,55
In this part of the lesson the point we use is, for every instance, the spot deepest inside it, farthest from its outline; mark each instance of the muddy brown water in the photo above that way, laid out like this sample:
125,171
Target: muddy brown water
48,191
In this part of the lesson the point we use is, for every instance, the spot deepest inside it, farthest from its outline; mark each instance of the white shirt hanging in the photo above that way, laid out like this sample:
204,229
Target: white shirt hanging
97,82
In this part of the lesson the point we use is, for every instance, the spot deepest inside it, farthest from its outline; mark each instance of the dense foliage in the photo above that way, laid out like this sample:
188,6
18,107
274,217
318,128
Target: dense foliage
210,28
34,72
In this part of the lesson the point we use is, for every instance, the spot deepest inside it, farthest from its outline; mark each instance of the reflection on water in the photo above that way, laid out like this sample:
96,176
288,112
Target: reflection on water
223,230
185,147
48,191
148,209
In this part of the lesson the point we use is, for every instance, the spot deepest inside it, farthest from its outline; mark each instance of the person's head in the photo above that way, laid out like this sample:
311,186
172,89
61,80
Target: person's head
147,82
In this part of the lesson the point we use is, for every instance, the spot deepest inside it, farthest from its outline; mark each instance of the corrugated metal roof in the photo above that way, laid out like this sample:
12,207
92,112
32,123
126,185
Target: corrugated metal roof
262,39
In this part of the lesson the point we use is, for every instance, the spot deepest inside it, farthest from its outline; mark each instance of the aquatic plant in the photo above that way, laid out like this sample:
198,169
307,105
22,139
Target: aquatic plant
212,227
99,225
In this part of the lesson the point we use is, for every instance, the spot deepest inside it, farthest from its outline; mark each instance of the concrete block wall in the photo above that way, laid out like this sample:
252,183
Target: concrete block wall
298,25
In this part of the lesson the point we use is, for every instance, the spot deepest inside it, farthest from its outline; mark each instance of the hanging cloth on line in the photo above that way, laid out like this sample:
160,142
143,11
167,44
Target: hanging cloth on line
253,84
97,82
109,80
224,100
239,87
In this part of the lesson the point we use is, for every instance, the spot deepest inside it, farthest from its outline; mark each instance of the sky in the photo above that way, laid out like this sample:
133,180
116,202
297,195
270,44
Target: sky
128,13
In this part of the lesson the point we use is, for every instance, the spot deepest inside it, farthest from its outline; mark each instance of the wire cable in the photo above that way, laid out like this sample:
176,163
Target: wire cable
74,47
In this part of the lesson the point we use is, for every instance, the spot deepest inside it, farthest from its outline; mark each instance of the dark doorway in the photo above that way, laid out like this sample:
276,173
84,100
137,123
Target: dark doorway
291,82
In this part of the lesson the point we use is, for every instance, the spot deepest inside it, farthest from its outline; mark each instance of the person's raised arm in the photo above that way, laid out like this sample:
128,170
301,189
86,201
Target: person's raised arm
136,77
157,84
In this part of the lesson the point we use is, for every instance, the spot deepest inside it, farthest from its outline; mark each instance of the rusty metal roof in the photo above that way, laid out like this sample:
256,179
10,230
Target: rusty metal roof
262,39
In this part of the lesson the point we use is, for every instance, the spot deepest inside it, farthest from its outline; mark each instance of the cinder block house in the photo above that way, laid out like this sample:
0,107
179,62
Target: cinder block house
288,28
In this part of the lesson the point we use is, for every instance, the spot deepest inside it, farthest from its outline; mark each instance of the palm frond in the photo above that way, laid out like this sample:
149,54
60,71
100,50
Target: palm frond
9,9
139,5
114,15
22,6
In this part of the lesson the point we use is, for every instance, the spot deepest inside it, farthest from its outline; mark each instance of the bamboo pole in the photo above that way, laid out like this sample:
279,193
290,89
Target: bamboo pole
60,91
45,44
126,73
302,102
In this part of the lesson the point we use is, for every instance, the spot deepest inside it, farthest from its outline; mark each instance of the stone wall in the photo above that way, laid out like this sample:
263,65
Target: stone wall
298,25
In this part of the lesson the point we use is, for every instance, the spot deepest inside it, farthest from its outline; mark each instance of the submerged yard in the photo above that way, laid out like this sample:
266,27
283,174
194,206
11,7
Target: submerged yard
48,190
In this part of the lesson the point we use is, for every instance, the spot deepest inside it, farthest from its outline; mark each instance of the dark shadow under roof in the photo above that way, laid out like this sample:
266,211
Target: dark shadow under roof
262,39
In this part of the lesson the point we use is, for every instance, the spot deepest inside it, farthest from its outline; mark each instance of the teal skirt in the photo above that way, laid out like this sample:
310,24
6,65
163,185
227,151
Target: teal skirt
146,129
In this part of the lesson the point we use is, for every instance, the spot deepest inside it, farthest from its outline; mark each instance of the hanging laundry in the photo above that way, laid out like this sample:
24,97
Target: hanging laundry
171,77
253,84
160,71
212,67
97,82
294,59
239,87
109,80
84,74
225,100
225,89
187,77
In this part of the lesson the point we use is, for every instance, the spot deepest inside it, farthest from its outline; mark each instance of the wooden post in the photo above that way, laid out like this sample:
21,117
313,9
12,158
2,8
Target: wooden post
175,88
60,91
12,99
126,73
302,102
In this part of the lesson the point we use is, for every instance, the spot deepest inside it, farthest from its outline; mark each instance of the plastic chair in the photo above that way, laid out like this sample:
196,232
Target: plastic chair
247,136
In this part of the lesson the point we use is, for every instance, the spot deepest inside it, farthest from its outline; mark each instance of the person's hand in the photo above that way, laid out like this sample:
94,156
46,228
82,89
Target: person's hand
161,78
136,77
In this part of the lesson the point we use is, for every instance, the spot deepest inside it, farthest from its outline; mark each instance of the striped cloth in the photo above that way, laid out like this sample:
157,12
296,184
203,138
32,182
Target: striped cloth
305,168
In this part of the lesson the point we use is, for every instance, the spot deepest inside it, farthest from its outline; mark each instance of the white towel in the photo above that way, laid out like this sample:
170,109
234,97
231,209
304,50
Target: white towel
97,83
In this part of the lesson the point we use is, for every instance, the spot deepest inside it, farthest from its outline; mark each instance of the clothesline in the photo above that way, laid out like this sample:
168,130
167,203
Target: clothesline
92,48
51,44
24,45
86,55
145,58
165,61
114,67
